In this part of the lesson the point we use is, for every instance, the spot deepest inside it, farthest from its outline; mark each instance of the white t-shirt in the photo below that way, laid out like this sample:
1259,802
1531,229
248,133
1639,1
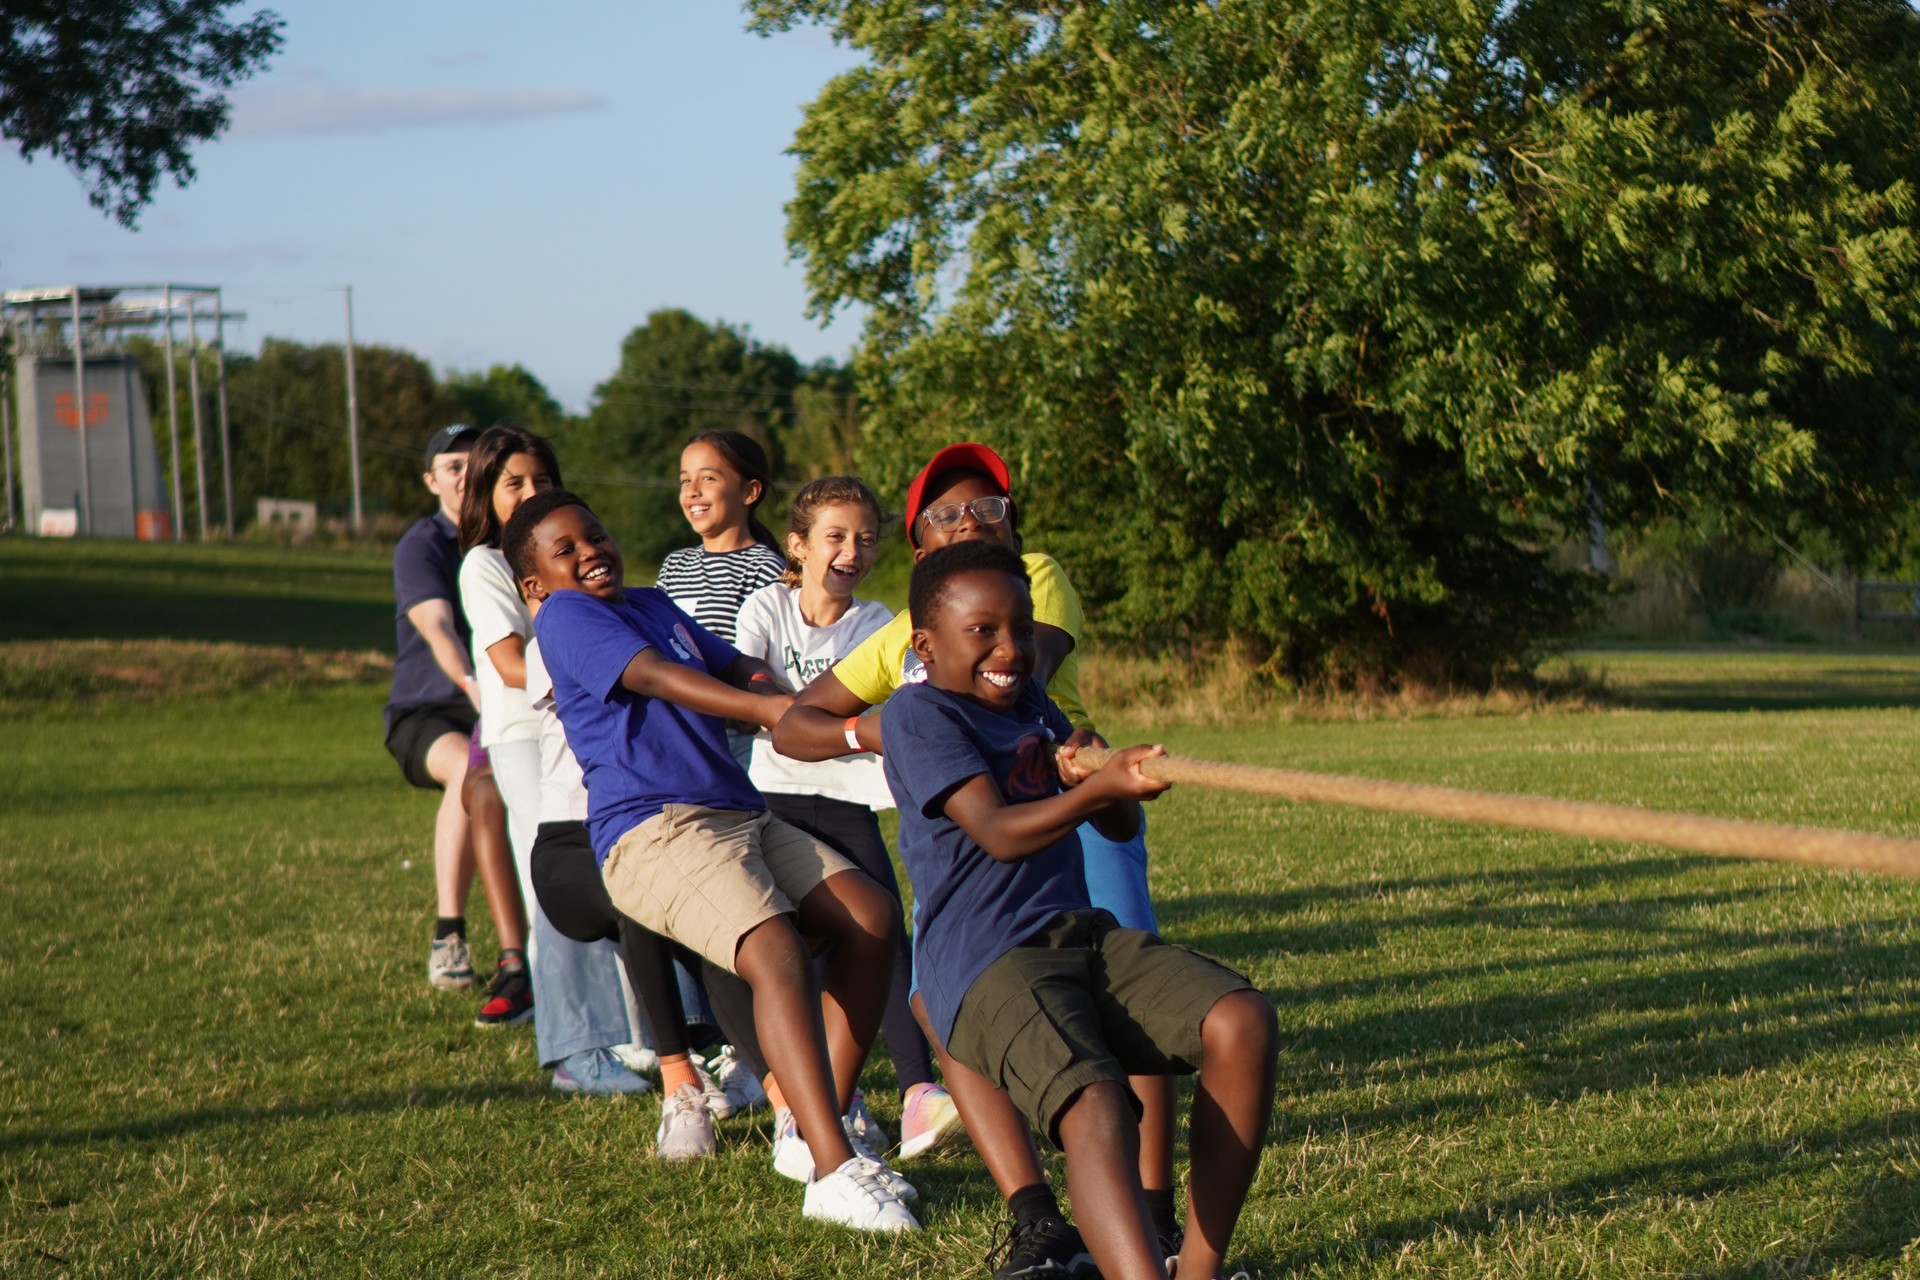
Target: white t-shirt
770,628
495,611
563,788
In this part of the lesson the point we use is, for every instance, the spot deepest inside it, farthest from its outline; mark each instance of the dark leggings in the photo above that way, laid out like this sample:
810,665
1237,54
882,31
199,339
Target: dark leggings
852,830
567,880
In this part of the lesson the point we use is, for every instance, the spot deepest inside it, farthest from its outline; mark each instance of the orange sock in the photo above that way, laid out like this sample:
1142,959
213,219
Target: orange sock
676,1070
774,1096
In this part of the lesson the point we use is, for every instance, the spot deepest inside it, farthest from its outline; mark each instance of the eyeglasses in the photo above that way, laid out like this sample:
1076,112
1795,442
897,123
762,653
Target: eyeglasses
949,514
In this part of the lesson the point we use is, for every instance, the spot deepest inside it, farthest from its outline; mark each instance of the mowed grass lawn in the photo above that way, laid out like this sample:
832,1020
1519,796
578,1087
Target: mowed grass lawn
1503,1054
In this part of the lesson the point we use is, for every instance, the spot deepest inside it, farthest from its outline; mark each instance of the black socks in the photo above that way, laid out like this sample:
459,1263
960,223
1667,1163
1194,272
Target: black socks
1160,1208
447,926
1033,1204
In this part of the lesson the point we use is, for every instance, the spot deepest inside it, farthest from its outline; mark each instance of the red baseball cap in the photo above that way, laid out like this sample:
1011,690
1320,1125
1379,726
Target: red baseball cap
965,456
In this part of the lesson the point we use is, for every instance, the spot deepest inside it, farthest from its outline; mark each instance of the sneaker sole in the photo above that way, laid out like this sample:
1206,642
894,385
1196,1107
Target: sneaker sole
445,983
525,1015
921,1143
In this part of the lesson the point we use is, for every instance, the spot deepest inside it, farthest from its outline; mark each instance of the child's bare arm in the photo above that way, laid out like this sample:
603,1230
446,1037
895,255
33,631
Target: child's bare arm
816,728
652,676
509,657
1055,644
1010,832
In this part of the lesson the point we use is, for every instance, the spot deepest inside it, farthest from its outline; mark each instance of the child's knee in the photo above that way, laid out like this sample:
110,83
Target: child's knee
874,911
772,951
1241,1024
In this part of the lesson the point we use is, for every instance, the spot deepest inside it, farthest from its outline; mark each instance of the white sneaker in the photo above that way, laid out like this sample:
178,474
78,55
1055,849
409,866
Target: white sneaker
854,1197
712,1096
743,1092
884,1171
793,1159
864,1126
637,1058
686,1130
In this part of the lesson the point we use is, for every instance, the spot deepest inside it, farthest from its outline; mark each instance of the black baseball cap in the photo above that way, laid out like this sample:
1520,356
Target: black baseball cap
457,438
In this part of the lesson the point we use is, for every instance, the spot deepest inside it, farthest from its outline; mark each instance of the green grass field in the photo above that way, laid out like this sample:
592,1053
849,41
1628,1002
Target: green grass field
1503,1054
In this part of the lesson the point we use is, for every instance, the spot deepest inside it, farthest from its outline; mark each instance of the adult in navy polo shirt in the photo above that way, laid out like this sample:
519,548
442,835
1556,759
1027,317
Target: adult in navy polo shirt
431,712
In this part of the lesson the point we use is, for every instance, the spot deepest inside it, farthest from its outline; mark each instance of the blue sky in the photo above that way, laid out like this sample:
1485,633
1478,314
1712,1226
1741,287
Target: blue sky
496,187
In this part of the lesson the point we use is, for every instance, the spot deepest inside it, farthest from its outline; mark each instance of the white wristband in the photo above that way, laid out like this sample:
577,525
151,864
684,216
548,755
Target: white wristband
853,739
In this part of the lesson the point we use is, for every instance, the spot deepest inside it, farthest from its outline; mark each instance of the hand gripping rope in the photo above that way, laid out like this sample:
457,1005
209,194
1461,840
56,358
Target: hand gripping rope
1820,846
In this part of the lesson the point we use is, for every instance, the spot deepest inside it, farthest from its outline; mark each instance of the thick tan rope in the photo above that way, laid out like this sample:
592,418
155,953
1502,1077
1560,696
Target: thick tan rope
1821,846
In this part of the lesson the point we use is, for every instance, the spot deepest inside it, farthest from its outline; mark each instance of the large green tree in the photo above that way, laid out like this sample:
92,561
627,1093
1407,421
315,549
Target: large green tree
1312,321
121,90
678,375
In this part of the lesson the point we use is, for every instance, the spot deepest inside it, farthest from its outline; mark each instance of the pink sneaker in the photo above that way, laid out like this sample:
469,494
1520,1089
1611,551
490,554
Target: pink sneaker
928,1118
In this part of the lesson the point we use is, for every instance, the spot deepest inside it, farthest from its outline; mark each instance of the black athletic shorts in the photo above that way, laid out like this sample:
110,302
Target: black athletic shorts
415,730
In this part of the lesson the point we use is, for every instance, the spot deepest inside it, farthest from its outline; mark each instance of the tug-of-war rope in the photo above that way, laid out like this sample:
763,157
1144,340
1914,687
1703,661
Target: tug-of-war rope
1778,842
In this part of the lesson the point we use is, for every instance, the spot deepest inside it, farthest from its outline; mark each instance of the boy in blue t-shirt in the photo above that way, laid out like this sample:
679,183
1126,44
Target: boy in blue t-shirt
685,844
1023,979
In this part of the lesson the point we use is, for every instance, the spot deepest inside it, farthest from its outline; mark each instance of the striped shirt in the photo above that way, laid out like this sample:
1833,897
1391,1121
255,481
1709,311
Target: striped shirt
711,586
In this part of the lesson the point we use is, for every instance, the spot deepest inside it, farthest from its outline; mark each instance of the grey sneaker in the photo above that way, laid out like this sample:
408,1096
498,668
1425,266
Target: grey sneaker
450,964
686,1127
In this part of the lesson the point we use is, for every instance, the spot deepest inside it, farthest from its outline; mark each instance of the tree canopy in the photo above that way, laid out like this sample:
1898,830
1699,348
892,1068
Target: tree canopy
1317,321
122,89
678,375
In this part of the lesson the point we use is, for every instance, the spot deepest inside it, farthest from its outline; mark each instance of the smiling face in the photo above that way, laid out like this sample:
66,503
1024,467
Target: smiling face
981,643
572,552
521,476
961,487
837,553
713,496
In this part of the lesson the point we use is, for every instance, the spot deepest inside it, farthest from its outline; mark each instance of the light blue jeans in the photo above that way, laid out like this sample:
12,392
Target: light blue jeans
577,1002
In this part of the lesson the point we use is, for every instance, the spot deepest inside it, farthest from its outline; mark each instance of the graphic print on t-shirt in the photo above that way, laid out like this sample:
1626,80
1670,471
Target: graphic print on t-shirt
1033,776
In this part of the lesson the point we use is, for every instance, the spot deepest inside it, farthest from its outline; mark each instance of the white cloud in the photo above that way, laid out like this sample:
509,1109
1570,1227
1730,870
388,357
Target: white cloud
340,110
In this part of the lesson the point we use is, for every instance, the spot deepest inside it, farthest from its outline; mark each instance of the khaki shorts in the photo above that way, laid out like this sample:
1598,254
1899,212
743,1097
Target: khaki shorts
705,877
1086,1001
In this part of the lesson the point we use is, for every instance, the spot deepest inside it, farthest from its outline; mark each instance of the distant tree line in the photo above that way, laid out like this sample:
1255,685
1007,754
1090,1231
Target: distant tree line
677,374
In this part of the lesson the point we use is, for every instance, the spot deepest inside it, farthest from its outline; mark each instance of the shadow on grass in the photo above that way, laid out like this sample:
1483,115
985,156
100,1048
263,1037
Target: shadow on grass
1824,689
133,612
182,1123
1552,1018
1881,1225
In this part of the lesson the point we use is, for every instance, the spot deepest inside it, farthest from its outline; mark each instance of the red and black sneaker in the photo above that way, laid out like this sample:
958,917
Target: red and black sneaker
509,995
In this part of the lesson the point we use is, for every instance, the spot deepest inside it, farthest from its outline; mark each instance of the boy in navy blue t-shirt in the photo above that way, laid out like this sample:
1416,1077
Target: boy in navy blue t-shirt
687,848
1023,979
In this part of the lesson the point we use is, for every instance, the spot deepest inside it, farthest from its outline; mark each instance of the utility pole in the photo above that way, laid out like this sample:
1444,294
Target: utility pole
6,428
173,419
80,420
220,378
353,415
193,391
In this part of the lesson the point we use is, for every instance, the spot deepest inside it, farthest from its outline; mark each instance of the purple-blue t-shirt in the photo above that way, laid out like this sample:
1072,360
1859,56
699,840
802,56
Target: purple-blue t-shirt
969,908
638,754
426,566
